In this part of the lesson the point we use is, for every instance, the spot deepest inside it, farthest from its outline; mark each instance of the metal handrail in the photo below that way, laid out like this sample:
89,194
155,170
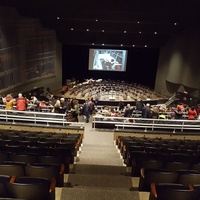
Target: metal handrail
148,123
35,118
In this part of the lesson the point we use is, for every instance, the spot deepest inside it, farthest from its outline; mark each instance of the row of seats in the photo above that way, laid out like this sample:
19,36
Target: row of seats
33,164
168,169
164,184
147,163
44,170
29,188
167,191
161,149
66,145
149,176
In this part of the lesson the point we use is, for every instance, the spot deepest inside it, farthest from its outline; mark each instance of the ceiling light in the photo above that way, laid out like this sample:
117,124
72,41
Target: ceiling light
145,45
133,45
138,22
140,32
102,30
155,32
96,20
102,44
72,29
124,31
175,24
121,45
87,29
92,43
58,17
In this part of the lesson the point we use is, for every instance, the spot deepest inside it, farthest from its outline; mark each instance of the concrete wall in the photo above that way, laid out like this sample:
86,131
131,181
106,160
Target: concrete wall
179,61
24,46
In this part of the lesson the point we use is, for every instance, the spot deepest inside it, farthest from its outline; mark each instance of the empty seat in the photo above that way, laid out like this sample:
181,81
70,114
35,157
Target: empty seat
175,166
26,158
35,180
49,171
12,169
28,191
149,176
4,179
166,191
189,178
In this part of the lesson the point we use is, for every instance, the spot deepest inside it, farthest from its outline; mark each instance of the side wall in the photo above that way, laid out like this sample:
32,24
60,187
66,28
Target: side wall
30,55
179,64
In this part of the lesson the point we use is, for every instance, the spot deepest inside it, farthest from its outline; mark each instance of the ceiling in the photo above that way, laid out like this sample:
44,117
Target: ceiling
127,23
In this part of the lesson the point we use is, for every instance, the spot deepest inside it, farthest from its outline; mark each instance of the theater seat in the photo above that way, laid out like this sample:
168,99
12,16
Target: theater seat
28,191
51,184
149,176
169,191
49,171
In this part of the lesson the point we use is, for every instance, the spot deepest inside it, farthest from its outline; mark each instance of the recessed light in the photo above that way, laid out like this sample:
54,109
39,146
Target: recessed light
87,29
133,45
145,45
138,22
175,24
121,45
102,44
96,20
155,32
124,31
102,30
92,43
72,29
140,32
58,17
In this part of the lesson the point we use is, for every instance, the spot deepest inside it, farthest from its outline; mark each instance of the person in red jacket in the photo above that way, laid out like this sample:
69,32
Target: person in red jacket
192,114
21,103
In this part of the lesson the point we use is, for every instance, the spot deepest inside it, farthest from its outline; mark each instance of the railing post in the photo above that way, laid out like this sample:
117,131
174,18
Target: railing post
182,126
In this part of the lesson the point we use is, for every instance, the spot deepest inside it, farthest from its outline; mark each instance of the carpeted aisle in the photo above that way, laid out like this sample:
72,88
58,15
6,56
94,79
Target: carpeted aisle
99,173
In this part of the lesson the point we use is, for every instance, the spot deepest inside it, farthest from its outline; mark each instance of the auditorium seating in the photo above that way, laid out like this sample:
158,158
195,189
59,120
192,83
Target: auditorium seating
167,191
28,191
36,155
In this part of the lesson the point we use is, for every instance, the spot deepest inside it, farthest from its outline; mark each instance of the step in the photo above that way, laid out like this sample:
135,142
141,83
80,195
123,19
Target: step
87,193
99,180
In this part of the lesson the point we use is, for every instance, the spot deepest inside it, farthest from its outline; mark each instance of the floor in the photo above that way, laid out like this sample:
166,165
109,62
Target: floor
99,172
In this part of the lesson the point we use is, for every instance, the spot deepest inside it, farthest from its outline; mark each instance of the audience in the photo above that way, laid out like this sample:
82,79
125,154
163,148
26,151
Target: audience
192,114
71,105
9,102
146,111
21,103
128,111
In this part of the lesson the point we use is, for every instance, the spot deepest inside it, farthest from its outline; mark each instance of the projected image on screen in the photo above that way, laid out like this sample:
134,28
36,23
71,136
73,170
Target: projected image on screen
107,59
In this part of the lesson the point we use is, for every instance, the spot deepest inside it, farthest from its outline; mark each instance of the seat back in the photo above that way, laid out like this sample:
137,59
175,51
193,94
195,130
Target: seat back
167,194
28,191
43,171
12,170
156,176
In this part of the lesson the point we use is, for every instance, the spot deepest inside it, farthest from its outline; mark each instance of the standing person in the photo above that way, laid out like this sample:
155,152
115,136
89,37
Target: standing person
192,114
21,103
9,102
128,111
139,105
121,106
87,111
76,110
146,111
56,108
63,106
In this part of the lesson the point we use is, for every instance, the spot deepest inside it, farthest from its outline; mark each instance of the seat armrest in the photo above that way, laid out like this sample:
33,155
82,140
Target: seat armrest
62,169
153,190
142,172
12,180
53,185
